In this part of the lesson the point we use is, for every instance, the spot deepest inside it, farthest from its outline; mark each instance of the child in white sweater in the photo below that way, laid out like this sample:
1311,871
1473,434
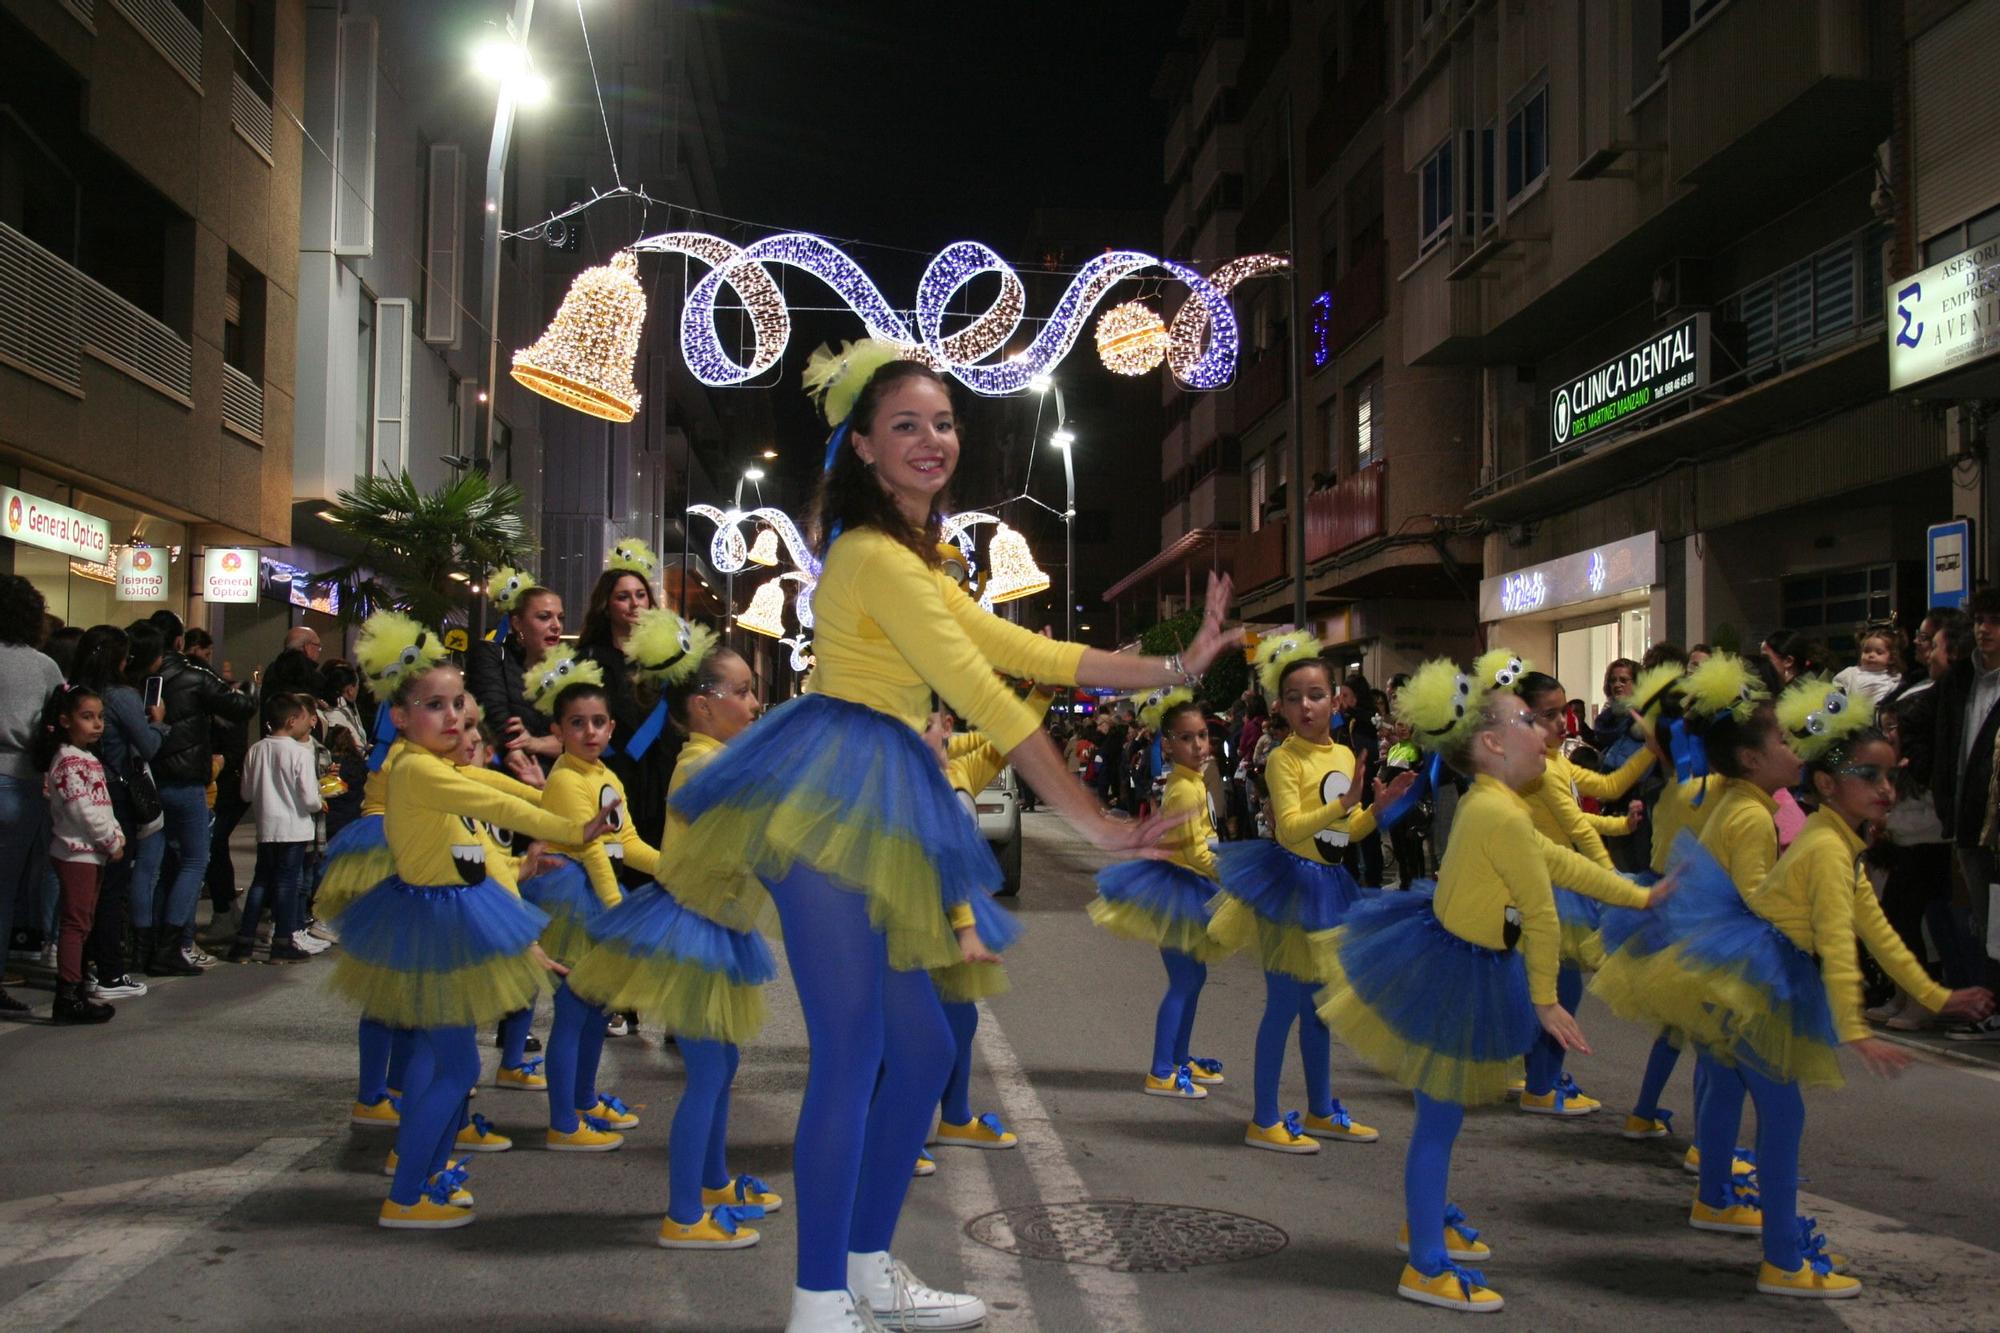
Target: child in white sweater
84,836
281,783
1875,676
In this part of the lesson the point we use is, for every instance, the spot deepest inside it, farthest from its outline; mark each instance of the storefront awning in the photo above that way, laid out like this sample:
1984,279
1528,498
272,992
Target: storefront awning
1202,541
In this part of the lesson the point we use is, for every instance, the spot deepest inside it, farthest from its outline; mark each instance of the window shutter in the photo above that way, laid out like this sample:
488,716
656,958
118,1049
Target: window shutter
354,140
444,219
392,386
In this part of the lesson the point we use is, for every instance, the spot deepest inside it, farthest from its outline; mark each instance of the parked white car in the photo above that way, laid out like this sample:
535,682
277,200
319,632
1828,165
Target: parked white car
999,814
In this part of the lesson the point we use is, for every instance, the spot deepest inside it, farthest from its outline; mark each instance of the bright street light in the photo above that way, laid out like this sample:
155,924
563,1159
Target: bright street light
1041,383
1063,438
530,89
753,474
498,59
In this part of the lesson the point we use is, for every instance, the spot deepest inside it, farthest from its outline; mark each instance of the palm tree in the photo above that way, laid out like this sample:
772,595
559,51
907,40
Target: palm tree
416,542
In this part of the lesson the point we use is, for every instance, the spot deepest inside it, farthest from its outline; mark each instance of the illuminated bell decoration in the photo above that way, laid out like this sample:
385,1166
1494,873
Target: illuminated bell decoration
1131,339
585,358
766,613
764,551
1014,572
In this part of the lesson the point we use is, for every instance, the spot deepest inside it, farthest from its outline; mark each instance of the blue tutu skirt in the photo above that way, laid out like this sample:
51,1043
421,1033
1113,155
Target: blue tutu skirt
1435,1012
357,860
855,795
451,955
1276,902
564,892
1157,903
1580,918
1709,966
652,956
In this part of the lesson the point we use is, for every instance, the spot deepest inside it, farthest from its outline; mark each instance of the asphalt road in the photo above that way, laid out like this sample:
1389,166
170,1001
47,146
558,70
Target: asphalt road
190,1165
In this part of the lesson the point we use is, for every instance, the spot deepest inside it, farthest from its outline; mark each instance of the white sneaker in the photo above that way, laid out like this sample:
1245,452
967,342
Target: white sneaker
617,1027
829,1312
121,987
196,958
1986,1029
47,957
1888,1009
303,940
900,1301
319,930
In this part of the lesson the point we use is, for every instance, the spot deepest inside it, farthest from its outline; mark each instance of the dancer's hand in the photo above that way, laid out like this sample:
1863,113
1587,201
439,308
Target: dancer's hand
1971,1003
1663,890
1559,1023
1385,792
536,860
973,949
1884,1059
523,766
1212,639
1138,838
547,963
605,820
1635,815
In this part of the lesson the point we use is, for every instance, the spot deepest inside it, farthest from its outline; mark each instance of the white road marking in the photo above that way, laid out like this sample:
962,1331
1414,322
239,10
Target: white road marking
1911,1280
115,1232
1111,1298
992,1275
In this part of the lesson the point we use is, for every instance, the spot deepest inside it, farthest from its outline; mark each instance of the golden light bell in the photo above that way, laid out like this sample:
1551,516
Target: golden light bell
585,358
766,613
764,551
1014,572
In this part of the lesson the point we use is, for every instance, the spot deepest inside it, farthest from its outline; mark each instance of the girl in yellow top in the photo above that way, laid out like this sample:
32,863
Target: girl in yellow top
1446,993
836,804
440,947
1277,894
1165,903
1770,988
576,890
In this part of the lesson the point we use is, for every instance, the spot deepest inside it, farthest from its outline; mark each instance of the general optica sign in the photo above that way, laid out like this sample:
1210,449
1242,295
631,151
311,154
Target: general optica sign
1668,366
229,574
33,521
142,573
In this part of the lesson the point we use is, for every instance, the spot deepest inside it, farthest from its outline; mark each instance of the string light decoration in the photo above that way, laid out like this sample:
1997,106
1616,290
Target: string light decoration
584,359
1131,339
1322,323
1014,573
729,552
766,613
764,551
1203,341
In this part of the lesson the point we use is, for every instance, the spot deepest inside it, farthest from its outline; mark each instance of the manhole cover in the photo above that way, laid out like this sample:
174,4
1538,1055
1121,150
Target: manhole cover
1126,1236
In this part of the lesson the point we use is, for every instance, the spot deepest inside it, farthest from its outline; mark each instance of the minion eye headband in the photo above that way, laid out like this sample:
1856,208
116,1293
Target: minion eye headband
1441,705
1820,720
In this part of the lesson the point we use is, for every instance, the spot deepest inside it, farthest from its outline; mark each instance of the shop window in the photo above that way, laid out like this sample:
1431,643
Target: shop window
1367,449
1831,606
1483,190
1528,142
243,318
1434,199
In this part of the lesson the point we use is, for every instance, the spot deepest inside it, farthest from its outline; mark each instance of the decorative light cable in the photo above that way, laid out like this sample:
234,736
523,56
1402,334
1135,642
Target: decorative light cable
1322,324
1203,343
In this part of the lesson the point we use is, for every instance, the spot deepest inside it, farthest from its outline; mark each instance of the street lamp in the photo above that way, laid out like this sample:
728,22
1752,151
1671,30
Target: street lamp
1062,439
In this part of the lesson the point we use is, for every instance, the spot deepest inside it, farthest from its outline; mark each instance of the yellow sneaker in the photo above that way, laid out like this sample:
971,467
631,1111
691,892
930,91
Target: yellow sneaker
1744,1165
718,1229
586,1137
985,1132
449,1183
926,1165
1808,1281
745,1192
1206,1072
1639,1127
424,1215
1288,1135
1812,1243
1179,1084
1461,1242
613,1112
1565,1099
1340,1126
1460,1289
383,1114
527,1078
480,1136
1741,1218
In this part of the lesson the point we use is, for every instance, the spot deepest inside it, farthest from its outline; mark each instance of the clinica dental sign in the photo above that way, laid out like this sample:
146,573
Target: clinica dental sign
1667,367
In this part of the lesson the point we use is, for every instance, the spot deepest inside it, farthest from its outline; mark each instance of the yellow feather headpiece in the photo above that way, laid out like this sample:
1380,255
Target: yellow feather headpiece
1153,705
1650,691
835,379
507,585
392,648
1440,704
1499,668
545,681
663,647
1724,684
1818,715
1277,651
633,556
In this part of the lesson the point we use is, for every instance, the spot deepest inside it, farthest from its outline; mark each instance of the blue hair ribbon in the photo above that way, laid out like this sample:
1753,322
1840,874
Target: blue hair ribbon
1429,778
385,736
500,631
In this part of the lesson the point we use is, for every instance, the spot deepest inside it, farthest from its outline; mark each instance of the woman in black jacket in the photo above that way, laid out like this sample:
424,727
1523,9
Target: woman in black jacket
617,601
494,671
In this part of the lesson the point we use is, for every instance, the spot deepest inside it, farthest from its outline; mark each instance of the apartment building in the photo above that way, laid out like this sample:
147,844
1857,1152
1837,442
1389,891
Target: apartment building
149,224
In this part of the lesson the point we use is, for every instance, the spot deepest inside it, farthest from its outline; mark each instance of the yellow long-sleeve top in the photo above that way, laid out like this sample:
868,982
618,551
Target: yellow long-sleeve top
1819,896
1742,833
1188,845
577,790
433,818
375,792
1557,817
1602,787
889,630
1495,861
1306,781
501,863
1677,810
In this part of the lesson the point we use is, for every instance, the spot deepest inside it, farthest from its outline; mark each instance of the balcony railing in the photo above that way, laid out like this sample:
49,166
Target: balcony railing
1263,556
1346,514
169,32
51,314
250,115
242,402
1260,384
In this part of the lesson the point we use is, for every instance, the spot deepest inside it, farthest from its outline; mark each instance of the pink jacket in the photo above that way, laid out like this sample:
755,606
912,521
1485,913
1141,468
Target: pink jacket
83,827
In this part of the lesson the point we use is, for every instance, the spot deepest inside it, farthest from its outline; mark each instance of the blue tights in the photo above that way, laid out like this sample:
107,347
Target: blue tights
514,1037
1288,1000
444,1064
385,1060
1426,1180
1781,1124
1173,1028
1718,1115
697,1147
857,1144
575,1045
963,1018
1545,1060
1659,1068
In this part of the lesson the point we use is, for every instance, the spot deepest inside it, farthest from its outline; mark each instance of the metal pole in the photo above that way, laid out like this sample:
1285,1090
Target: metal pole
729,580
1297,496
489,255
1069,520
